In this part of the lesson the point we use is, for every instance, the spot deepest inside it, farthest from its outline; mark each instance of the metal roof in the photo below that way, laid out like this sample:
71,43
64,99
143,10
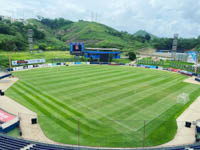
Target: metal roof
104,49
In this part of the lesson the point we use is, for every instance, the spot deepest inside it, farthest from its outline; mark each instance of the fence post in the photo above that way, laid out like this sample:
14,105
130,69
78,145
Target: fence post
78,132
144,133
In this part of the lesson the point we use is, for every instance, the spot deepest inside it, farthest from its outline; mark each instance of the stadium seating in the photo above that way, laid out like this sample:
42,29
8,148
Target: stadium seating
10,143
7,143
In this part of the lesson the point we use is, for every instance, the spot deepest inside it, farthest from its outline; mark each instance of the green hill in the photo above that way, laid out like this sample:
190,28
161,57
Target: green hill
56,34
91,33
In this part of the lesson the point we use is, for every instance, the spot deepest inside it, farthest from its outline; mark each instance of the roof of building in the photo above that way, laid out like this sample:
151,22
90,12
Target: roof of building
103,49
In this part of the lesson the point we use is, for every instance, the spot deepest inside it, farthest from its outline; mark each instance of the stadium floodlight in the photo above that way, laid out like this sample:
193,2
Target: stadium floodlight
174,46
30,39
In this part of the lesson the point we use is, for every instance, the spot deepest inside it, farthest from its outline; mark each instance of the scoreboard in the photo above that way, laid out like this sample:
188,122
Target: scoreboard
77,49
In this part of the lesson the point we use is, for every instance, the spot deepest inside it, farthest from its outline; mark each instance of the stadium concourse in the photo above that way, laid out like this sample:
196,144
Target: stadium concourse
34,132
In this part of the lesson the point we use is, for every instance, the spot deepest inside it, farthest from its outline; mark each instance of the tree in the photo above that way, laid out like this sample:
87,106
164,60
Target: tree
42,46
132,55
147,37
141,38
4,29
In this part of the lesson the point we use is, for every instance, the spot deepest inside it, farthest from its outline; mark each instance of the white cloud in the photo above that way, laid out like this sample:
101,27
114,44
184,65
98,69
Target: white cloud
162,18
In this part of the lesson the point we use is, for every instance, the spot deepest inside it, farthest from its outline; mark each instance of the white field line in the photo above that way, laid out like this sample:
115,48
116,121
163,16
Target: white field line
131,96
101,115
117,122
143,94
110,117
46,99
172,98
169,106
123,89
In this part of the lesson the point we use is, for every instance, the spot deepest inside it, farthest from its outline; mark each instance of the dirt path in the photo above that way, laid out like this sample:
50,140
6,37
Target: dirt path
191,80
187,135
29,131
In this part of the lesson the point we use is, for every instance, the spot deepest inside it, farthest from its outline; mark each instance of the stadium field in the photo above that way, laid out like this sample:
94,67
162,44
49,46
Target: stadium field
111,106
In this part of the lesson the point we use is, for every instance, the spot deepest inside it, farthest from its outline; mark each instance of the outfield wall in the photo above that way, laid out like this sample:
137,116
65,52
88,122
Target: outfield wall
187,73
5,76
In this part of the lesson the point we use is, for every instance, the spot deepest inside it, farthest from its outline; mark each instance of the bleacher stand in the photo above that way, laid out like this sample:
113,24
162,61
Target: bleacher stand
10,143
7,143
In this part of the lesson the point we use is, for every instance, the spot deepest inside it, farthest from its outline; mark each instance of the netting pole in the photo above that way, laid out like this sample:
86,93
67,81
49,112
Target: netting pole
78,132
144,133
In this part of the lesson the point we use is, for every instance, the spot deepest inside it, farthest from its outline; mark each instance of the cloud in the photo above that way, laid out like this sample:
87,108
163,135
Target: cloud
162,18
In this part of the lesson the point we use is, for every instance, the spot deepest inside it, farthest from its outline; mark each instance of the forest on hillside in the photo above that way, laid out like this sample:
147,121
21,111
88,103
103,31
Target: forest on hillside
56,34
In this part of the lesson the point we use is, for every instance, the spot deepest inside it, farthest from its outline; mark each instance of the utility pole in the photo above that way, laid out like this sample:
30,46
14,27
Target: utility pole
10,65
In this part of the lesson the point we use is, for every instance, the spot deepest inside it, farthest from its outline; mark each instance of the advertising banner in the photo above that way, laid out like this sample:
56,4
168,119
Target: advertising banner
192,56
27,62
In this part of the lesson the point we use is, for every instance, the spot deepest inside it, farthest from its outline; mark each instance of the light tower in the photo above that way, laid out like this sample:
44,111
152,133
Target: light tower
174,46
30,40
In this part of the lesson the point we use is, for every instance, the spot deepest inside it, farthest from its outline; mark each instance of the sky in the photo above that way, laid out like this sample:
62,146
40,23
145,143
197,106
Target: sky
162,18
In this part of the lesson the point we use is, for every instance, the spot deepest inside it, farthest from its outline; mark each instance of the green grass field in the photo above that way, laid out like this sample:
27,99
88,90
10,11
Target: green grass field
110,106
25,55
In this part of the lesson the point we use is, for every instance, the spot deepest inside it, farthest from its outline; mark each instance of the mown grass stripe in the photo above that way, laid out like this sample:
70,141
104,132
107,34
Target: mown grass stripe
93,84
46,71
145,102
118,88
65,72
45,112
62,114
129,93
79,76
76,113
79,97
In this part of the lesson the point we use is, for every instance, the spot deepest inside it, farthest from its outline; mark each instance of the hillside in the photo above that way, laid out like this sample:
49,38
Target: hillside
56,34
91,33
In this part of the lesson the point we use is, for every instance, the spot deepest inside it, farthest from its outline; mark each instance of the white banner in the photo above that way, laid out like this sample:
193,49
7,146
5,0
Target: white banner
28,62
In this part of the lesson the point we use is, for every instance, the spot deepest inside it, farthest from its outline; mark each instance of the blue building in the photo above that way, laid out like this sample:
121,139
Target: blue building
94,54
